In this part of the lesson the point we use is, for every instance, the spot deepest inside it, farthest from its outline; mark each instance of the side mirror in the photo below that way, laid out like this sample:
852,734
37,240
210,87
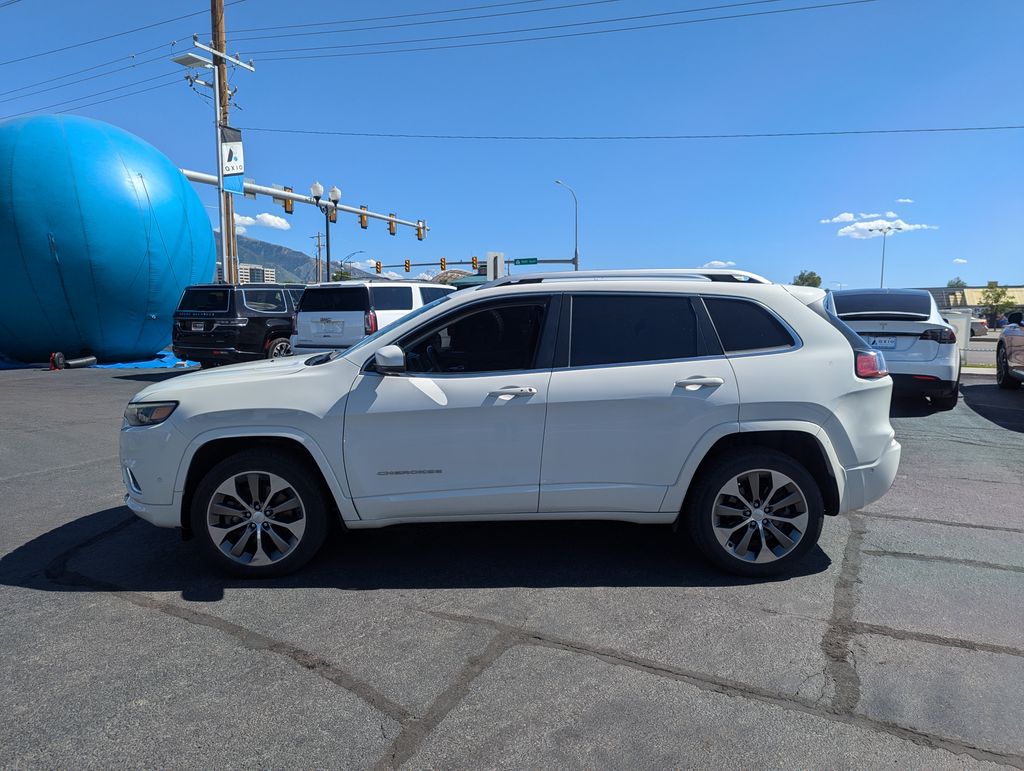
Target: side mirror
1015,317
389,360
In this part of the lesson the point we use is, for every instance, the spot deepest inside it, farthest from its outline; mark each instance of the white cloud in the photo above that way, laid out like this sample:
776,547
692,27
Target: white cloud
891,215
904,200
425,276
718,264
872,228
239,229
959,261
390,274
864,216
241,219
272,221
843,217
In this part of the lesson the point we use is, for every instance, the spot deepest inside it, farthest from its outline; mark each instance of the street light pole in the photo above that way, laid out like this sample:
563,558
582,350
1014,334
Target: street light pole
348,259
885,230
575,200
317,190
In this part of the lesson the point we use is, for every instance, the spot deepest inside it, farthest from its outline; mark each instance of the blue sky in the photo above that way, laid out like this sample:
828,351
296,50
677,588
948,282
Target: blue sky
757,203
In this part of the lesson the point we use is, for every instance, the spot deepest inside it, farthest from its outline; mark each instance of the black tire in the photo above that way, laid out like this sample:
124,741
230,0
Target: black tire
699,513
1003,377
278,347
308,489
207,363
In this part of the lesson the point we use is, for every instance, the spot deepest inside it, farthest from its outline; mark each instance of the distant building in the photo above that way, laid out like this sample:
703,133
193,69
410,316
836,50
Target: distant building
969,296
256,274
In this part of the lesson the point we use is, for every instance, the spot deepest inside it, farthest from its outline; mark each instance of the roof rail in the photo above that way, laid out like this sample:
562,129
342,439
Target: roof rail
682,274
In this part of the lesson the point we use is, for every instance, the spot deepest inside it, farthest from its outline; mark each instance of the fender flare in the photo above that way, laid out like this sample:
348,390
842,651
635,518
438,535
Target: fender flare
338,487
676,493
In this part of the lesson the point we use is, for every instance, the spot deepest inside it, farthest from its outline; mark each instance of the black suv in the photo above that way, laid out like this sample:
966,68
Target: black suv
229,323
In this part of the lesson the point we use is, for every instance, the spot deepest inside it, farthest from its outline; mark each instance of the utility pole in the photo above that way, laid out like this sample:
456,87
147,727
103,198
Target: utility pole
319,262
227,224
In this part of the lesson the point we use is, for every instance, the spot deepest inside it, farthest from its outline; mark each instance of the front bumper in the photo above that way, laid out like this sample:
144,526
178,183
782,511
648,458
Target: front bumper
161,515
866,484
150,456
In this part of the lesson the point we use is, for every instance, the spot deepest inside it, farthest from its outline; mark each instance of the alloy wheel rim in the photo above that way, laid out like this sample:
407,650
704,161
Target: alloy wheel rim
1001,366
281,349
256,518
760,516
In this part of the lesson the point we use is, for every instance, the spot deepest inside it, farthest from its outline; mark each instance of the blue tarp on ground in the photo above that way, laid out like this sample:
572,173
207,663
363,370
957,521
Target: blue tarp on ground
163,360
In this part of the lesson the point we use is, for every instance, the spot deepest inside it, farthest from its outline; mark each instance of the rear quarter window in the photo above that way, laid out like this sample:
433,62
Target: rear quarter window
334,299
743,325
391,298
431,293
265,300
208,300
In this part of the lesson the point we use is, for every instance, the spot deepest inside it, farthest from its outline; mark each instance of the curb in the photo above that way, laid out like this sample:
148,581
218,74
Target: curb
982,371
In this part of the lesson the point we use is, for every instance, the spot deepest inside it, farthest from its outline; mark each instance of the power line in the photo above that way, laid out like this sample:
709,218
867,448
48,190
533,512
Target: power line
433,21
634,137
567,34
387,18
112,35
98,93
119,96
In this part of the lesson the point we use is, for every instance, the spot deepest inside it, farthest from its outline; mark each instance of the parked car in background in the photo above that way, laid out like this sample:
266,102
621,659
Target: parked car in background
336,315
905,325
744,411
1010,352
979,327
231,323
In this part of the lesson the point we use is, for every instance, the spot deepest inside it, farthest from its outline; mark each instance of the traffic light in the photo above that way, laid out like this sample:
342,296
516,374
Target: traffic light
377,266
475,262
392,225
332,216
407,266
444,264
364,221
421,229
289,204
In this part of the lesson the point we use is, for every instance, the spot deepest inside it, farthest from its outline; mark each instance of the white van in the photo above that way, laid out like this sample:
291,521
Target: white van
339,314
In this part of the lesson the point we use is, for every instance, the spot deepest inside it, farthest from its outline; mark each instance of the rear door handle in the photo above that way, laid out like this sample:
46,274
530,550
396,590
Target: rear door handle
514,391
693,383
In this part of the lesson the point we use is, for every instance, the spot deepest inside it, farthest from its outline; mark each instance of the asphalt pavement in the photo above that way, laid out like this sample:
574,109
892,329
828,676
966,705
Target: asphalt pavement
898,643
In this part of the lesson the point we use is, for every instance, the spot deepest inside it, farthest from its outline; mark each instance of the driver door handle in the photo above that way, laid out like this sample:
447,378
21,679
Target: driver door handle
694,383
514,391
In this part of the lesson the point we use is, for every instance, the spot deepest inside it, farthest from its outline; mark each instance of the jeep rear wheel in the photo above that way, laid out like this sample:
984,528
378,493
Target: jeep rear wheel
755,512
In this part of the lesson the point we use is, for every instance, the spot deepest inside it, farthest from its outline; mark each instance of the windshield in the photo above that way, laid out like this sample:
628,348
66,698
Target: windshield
388,327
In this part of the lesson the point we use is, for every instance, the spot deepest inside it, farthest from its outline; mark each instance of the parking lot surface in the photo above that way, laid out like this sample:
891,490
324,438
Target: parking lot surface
900,642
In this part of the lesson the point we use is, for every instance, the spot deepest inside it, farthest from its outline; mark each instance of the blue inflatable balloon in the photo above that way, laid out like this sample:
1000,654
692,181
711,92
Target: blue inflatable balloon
99,235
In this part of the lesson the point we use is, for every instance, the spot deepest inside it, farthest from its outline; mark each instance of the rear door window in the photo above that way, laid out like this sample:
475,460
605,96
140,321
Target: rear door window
334,299
206,300
618,329
391,298
743,325
265,300
431,293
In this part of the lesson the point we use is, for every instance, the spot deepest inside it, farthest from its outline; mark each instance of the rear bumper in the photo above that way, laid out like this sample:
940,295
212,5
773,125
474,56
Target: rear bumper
866,484
199,353
307,347
921,384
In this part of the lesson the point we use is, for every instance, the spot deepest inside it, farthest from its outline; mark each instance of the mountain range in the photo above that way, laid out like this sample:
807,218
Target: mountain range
292,266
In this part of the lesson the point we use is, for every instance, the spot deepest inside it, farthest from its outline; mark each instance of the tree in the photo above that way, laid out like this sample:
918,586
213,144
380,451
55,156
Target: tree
807,278
340,275
996,300
956,283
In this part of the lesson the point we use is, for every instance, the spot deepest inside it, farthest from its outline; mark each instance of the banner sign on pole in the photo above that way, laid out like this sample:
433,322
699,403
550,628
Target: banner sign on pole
232,159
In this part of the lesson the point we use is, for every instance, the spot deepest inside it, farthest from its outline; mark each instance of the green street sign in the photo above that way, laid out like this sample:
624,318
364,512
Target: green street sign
525,261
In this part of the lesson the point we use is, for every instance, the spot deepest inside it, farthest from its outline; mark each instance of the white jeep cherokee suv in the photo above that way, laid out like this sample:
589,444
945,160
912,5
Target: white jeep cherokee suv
742,410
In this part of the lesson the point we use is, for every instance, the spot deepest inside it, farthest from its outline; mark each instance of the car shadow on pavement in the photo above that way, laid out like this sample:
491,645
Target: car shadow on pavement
155,377
1004,407
112,550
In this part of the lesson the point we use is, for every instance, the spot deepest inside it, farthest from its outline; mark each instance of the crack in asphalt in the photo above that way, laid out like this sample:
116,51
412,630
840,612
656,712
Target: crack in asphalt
59,573
415,731
708,683
860,627
835,643
903,555
926,521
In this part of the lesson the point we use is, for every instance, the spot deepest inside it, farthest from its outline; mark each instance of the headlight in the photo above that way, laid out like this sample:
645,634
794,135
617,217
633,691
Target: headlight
148,413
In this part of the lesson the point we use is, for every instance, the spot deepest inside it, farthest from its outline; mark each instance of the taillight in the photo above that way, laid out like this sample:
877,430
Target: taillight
871,364
941,335
369,322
